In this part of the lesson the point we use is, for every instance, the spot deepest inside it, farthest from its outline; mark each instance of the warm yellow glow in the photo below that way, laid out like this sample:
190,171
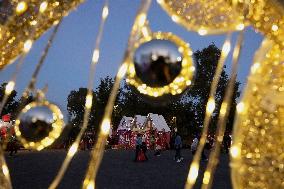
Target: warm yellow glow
5,170
240,26
122,70
206,177
145,31
160,1
91,185
175,18
193,173
141,20
223,108
73,149
96,56
28,45
274,27
210,105
89,101
105,126
43,6
202,31
240,107
226,47
9,87
33,23
255,67
105,12
21,7
235,151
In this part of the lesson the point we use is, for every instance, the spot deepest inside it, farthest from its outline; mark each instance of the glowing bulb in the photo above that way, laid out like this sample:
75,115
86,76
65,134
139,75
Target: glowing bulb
202,31
96,56
9,87
91,185
240,26
235,151
33,23
5,170
255,67
240,107
43,6
160,1
105,12
141,20
206,177
210,106
223,109
21,7
226,47
28,45
274,27
73,149
89,101
175,18
105,126
193,173
122,70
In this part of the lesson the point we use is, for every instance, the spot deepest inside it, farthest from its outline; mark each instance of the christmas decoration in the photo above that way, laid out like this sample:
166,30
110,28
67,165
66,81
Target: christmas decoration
258,145
25,20
39,125
162,65
204,16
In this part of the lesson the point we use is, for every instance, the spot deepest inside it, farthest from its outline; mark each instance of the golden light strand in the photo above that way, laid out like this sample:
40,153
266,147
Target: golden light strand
210,107
223,115
258,146
97,153
88,104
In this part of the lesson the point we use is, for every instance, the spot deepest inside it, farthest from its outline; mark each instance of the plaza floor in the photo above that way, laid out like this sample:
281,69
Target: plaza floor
118,171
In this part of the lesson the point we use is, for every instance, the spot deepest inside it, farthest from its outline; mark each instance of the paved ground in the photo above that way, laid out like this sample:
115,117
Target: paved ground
36,170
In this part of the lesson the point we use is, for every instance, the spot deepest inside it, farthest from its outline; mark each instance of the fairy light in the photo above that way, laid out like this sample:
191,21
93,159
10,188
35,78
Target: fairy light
235,151
193,173
202,31
43,7
122,70
226,48
105,12
5,170
240,26
105,126
21,7
28,45
96,56
274,27
141,20
91,185
223,109
210,106
255,67
9,87
73,149
206,177
89,101
240,107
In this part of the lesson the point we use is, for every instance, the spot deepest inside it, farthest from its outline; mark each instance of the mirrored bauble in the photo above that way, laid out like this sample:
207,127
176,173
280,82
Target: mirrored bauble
204,16
22,20
162,65
39,125
157,62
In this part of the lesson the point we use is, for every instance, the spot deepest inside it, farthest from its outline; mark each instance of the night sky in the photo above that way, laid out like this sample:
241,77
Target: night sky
68,62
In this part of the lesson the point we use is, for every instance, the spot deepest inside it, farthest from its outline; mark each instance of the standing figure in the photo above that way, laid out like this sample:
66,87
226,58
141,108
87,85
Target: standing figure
138,144
178,146
158,146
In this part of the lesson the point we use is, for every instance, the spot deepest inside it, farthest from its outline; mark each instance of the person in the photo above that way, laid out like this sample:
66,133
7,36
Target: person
144,150
138,144
13,145
158,147
178,146
194,146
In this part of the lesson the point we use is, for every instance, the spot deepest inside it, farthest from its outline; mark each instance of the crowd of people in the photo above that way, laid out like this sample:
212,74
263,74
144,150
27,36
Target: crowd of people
141,147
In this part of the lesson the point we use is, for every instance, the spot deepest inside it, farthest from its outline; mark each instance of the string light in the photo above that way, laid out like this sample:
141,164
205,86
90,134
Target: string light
21,7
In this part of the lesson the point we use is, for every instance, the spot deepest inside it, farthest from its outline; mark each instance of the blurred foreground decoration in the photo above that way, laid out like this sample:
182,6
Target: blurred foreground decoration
20,21
258,148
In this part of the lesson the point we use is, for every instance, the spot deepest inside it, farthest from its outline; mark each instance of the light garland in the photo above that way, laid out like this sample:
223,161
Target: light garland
258,146
24,15
204,16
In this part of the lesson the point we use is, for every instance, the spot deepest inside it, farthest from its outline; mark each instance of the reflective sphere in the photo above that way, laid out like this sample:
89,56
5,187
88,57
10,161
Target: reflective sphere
157,62
39,125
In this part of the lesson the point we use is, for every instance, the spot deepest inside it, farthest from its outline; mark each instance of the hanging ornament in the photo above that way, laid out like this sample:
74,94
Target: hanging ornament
204,16
162,66
27,19
39,125
266,16
257,153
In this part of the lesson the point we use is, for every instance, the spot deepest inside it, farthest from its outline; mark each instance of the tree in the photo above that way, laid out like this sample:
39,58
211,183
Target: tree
11,105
